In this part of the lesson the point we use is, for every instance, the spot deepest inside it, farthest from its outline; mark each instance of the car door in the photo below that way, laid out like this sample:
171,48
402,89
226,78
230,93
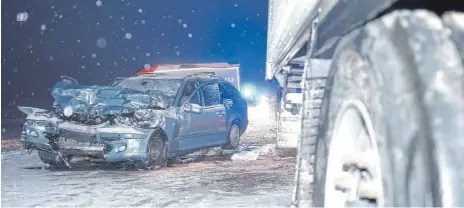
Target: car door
235,105
214,114
205,128
191,128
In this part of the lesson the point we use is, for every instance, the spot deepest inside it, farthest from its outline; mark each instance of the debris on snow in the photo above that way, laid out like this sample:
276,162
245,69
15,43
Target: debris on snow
252,154
247,153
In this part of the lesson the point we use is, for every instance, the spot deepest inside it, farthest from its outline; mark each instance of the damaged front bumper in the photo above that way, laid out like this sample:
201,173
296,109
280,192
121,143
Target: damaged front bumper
112,143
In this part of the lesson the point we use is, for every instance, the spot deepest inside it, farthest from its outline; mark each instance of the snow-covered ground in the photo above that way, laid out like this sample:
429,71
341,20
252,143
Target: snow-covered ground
261,127
216,181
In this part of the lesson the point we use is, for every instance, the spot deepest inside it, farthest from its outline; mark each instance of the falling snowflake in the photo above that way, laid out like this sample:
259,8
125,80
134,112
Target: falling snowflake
22,16
133,58
83,67
147,54
99,3
190,35
94,55
143,22
61,16
51,58
184,25
43,27
177,53
15,70
74,7
180,21
115,63
235,5
128,36
162,34
98,64
232,25
140,11
101,42
146,66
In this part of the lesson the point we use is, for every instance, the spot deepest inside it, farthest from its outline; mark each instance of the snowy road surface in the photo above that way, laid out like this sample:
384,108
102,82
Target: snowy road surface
213,182
210,183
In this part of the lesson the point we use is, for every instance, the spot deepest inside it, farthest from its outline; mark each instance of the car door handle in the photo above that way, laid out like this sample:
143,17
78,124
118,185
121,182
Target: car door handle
220,113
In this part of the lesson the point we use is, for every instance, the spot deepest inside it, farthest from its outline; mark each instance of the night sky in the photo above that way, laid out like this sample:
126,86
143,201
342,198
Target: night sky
96,41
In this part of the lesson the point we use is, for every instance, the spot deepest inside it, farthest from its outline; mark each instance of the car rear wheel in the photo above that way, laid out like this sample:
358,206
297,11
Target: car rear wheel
233,137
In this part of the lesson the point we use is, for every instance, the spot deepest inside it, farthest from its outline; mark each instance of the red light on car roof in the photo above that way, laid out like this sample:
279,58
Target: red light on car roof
148,71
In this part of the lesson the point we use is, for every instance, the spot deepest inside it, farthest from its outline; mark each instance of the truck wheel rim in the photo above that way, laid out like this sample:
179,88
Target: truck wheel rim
353,176
234,136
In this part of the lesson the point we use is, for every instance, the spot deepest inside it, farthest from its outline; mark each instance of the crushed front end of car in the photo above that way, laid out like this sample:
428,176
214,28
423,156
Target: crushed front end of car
110,123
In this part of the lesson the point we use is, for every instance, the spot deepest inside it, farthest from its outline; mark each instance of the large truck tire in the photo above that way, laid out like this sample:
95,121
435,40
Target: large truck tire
313,92
392,127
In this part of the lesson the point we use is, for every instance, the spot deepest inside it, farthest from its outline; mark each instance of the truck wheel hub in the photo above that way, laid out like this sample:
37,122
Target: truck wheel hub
353,168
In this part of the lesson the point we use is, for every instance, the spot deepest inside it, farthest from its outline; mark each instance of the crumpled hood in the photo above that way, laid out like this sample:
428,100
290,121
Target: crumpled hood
100,100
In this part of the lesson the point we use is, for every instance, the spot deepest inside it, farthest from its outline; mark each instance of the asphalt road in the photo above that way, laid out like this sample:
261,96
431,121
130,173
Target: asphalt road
215,181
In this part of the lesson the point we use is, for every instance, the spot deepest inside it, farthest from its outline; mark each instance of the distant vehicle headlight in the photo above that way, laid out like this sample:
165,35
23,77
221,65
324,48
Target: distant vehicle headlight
247,92
68,111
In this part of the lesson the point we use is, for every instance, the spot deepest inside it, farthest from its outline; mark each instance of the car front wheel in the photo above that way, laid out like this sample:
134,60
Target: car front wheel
156,154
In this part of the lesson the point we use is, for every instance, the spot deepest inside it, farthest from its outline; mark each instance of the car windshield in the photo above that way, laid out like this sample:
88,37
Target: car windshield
163,90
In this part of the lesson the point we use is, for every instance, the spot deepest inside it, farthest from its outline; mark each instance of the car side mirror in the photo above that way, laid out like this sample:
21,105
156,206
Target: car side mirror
228,103
192,108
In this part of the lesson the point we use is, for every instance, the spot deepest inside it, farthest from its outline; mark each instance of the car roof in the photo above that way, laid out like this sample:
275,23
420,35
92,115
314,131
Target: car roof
200,78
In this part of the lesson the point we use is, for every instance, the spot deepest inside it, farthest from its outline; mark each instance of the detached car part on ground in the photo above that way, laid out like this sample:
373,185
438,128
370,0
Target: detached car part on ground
142,120
384,125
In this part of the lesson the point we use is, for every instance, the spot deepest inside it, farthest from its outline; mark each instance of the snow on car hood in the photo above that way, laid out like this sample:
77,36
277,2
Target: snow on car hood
100,100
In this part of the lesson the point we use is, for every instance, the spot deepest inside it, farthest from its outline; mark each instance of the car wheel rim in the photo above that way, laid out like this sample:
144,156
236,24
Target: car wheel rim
234,136
155,151
353,176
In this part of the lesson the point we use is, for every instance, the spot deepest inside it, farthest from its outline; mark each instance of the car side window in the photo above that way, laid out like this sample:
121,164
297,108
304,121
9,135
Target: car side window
229,92
189,88
211,94
196,98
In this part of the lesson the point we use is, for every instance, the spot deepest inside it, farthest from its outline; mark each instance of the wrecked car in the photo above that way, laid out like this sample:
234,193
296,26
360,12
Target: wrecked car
144,120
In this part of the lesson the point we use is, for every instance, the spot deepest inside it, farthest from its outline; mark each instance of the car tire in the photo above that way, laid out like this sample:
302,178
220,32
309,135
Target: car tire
233,137
394,94
156,154
52,159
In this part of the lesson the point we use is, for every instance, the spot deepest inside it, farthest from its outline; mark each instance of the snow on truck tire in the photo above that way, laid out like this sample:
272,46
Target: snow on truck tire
391,131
